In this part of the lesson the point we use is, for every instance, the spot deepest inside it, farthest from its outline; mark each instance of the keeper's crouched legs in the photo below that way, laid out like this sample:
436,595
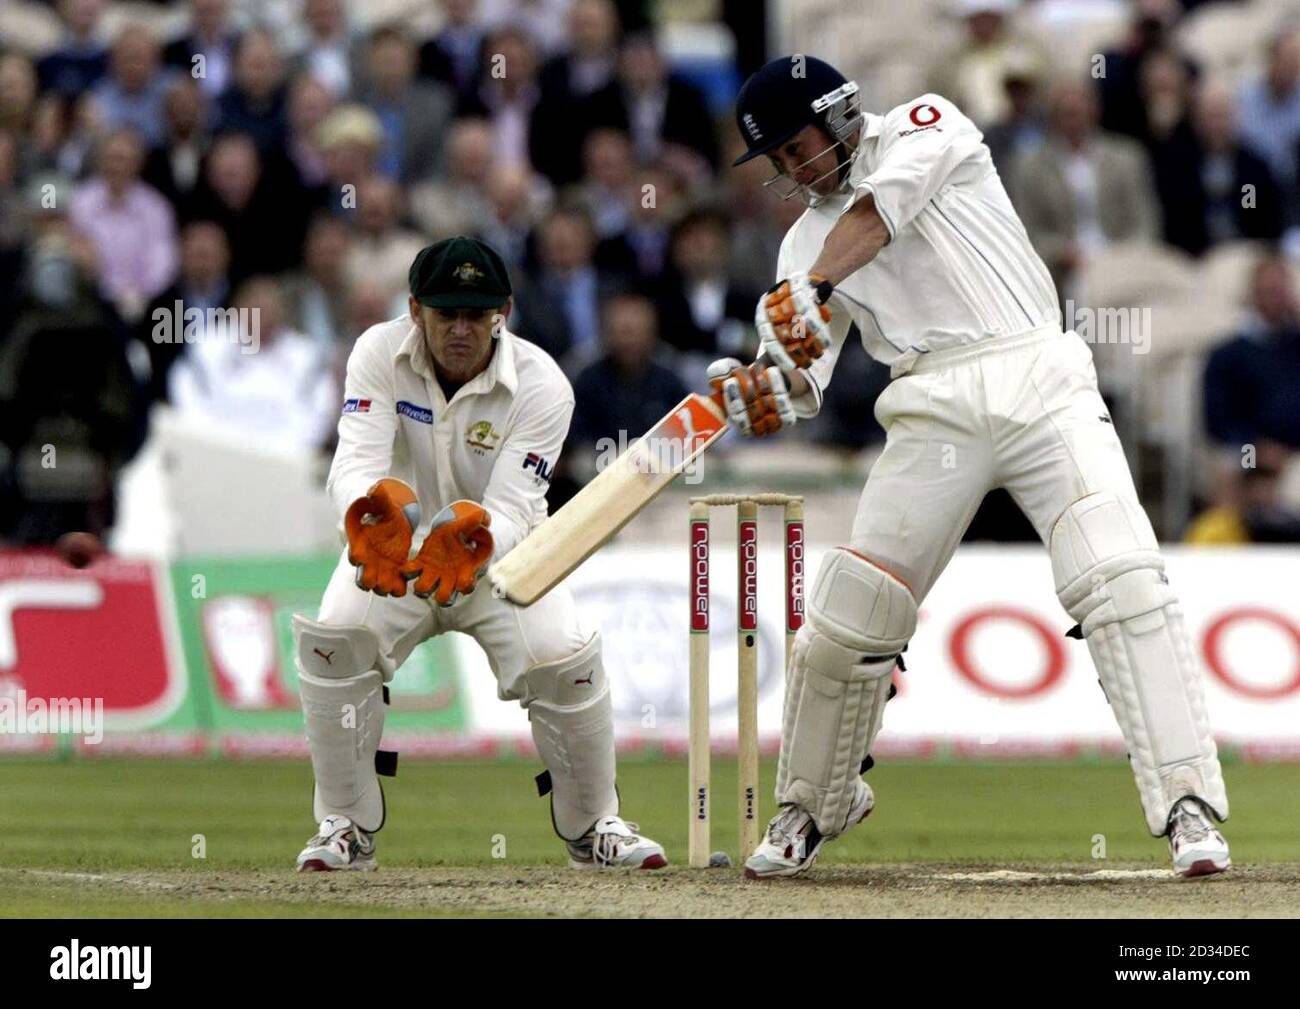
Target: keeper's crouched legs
342,691
572,720
859,619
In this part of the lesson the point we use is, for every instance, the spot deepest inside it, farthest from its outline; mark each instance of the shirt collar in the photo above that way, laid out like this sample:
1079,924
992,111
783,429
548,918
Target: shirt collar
872,125
501,369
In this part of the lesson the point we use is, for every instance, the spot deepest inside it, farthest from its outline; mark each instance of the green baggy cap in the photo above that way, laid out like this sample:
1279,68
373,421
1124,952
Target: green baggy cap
459,272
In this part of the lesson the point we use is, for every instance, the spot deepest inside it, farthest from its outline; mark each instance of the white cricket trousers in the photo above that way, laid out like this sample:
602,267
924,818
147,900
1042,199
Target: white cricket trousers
1020,412
514,638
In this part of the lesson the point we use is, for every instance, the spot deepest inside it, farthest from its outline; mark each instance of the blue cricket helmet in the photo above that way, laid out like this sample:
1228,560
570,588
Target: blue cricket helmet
789,93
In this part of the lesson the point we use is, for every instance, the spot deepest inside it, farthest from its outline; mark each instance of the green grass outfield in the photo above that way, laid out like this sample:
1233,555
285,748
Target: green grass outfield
65,821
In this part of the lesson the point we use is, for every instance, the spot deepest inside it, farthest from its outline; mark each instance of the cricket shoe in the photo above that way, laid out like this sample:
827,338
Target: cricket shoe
793,842
614,843
1197,847
338,845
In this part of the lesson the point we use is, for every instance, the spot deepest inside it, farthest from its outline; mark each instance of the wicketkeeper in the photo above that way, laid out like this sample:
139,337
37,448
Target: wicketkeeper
450,426
910,235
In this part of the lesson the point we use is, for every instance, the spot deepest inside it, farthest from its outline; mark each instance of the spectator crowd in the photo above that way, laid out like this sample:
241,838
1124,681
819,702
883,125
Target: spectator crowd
289,158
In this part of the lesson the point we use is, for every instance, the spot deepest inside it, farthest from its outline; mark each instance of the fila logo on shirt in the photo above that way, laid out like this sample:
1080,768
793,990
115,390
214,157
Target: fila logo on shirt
534,461
923,117
356,406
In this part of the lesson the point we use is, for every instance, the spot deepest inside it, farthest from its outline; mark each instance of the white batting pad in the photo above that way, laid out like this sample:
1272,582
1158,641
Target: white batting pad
859,618
1110,577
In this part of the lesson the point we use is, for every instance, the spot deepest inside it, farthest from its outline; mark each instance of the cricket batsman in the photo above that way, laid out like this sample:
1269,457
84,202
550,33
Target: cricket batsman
450,428
910,235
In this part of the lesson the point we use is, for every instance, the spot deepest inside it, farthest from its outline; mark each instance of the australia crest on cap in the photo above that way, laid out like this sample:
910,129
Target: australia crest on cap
468,274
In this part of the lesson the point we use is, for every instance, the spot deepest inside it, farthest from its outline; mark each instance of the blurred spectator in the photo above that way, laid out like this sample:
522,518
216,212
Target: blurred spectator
316,296
132,227
64,134
545,21
622,393
559,305
310,103
702,311
368,305
382,250
568,82
1252,382
17,93
173,167
664,114
1084,188
1270,114
64,431
608,186
456,204
13,227
414,115
654,204
255,103
329,54
1119,85
1022,128
263,223
284,393
507,95
1249,506
514,200
82,58
203,284
974,74
1165,86
1202,176
452,56
350,139
134,92
759,219
211,36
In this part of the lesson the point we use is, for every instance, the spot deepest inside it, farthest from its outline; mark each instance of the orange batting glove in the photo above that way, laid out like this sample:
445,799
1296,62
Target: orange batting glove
379,528
756,397
793,320
454,554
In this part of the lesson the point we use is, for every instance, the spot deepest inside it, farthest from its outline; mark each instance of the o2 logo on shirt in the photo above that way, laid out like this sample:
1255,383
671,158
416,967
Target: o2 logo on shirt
923,117
535,462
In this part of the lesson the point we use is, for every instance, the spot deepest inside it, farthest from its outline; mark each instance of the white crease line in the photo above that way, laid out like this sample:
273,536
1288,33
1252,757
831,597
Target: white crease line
1017,876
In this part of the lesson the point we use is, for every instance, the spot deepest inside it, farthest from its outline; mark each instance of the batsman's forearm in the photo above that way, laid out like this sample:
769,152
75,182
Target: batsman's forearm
854,241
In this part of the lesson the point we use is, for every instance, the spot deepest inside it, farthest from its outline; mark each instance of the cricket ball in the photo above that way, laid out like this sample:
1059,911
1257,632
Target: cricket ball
79,549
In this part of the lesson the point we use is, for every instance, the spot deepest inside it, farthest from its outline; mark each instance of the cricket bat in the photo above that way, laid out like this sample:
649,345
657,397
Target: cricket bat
547,555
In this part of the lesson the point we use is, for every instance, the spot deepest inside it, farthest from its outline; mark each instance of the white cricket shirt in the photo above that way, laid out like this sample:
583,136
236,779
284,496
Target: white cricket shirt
959,267
496,442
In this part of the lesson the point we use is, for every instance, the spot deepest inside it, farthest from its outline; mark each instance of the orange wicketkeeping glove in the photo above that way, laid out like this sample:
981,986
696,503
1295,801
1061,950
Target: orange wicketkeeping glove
379,528
454,554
